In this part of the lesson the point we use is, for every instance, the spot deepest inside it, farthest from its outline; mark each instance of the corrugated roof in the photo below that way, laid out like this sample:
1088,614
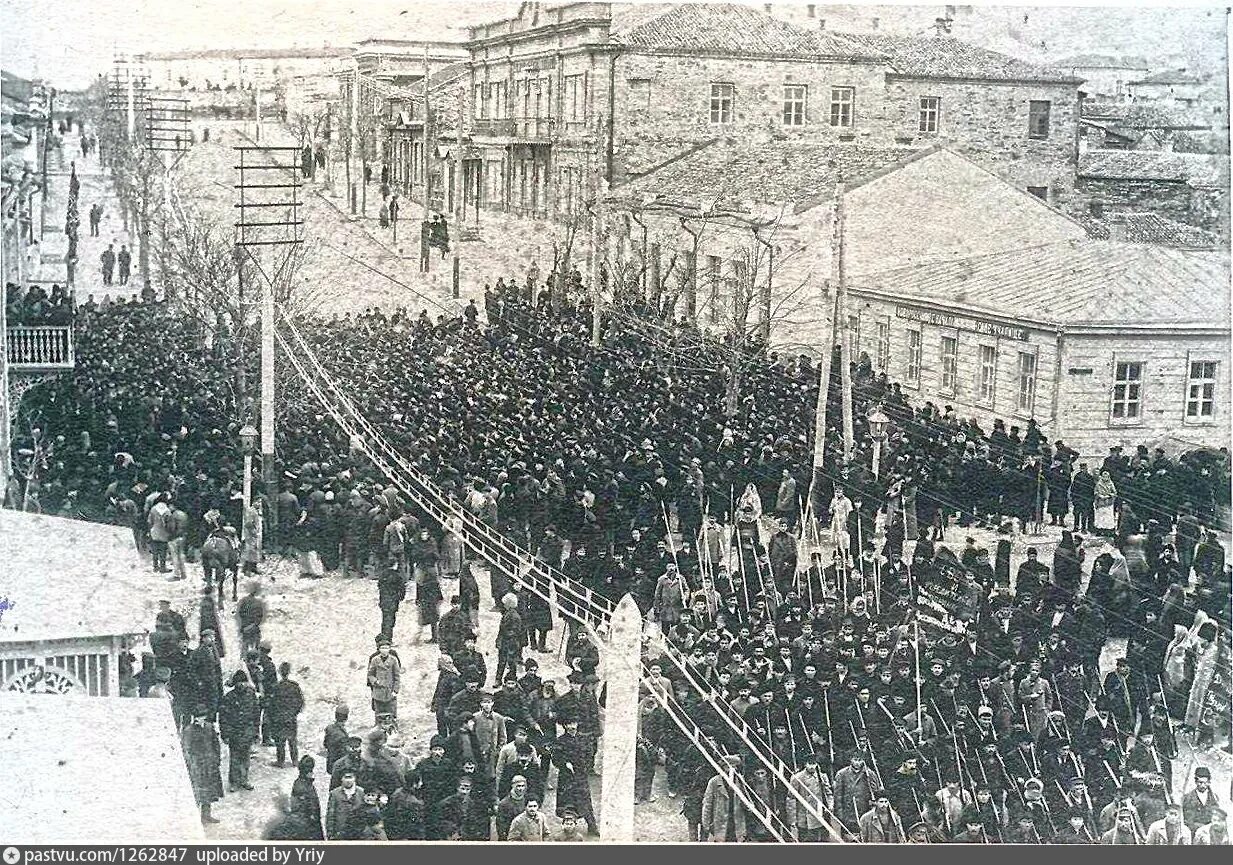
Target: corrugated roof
1196,169
724,27
1149,228
947,57
775,172
1077,282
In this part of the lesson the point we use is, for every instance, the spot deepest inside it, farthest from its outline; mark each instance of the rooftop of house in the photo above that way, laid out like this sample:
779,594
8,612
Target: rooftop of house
1169,76
1101,61
1142,115
1195,169
1077,282
1148,228
724,27
729,172
947,57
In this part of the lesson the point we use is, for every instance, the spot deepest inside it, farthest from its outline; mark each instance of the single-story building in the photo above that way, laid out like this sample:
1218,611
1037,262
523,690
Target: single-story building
85,770
76,597
1101,342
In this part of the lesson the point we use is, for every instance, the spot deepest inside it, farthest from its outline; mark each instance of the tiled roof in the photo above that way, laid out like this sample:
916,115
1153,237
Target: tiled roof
946,57
1077,282
1149,228
777,172
710,27
1142,115
1196,169
1169,76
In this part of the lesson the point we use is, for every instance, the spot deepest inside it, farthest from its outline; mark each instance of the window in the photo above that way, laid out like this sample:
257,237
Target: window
842,101
986,375
914,342
1127,390
883,359
1027,383
500,104
721,103
854,333
812,10
930,113
950,363
640,94
1041,192
1096,209
1201,390
576,97
479,101
794,104
1038,118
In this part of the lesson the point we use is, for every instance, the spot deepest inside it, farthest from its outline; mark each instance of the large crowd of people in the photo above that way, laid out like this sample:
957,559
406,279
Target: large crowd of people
618,466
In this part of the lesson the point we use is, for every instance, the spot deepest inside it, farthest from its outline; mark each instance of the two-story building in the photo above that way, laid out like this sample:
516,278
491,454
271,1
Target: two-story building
562,93
1104,76
1168,85
237,68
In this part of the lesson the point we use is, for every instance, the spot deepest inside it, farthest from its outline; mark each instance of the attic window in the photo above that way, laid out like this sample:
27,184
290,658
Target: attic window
1097,209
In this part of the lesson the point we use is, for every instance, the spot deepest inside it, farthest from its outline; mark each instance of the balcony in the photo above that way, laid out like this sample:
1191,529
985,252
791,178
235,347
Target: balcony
34,349
531,129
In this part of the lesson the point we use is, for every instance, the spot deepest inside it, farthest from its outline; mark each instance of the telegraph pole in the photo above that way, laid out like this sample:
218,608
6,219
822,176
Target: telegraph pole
425,229
597,235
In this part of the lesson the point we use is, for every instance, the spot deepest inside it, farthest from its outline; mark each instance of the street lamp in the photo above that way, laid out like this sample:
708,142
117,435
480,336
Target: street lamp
878,422
248,444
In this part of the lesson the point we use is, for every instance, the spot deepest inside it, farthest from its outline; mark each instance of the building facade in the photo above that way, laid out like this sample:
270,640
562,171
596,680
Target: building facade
561,94
237,68
1101,343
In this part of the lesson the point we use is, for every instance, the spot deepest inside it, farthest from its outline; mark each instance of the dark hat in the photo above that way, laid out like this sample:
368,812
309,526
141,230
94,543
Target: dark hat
972,817
1076,811
437,741
1203,772
354,741
569,814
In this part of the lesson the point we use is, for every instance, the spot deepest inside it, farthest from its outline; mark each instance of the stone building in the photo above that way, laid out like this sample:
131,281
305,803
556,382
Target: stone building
564,92
1146,126
1187,187
237,68
1102,343
1105,76
1169,85
728,216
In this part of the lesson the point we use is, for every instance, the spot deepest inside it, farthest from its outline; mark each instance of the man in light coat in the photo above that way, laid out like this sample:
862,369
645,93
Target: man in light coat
723,813
814,787
1170,830
491,728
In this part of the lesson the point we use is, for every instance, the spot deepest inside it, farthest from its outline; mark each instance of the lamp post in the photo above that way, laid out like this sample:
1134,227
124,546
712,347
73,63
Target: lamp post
878,422
248,443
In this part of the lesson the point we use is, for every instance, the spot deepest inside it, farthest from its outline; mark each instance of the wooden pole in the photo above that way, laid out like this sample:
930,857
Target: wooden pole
622,672
841,315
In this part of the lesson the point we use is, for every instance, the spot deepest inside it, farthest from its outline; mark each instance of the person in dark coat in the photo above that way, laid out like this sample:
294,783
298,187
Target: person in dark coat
206,674
404,813
286,701
202,754
511,637
454,626
536,618
238,716
304,798
208,621
336,736
571,755
290,824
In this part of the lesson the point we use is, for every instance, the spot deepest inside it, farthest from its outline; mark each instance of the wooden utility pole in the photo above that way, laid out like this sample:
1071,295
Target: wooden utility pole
425,230
597,234
622,673
841,321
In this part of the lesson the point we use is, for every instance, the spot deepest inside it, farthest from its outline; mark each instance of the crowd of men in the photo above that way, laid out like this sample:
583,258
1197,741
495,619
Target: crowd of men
35,306
617,465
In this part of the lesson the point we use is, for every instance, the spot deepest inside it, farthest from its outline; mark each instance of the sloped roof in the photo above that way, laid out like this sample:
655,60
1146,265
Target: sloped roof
776,172
1142,115
1196,169
947,57
1169,76
1101,61
710,27
1078,282
1149,228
